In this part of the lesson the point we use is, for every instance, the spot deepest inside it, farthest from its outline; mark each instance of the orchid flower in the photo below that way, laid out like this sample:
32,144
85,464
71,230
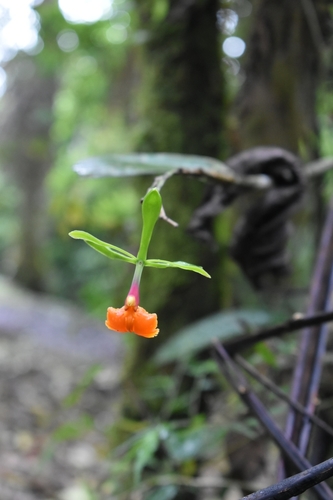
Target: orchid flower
131,317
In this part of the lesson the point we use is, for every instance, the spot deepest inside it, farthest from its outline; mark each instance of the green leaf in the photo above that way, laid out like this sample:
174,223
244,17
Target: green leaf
266,353
74,397
159,10
115,165
200,369
146,448
163,493
151,208
73,429
110,251
200,334
163,264
194,443
111,254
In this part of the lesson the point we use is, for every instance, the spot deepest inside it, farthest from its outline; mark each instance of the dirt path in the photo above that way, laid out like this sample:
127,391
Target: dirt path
47,349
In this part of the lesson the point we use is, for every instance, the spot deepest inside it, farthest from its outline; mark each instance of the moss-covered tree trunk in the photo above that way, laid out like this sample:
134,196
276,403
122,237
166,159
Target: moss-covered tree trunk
183,112
184,103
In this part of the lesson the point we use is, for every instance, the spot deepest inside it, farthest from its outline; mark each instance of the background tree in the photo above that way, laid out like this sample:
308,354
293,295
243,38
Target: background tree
183,110
26,121
185,102
284,65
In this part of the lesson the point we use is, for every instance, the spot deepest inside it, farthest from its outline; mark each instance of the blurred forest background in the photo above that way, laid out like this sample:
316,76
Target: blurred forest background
205,77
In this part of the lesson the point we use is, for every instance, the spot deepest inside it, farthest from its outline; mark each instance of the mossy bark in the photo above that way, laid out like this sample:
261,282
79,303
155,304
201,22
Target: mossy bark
183,111
184,103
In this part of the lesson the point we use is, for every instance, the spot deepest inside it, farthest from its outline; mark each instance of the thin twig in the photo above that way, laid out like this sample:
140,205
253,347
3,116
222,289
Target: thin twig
160,180
282,395
313,342
292,325
158,183
295,485
288,448
318,167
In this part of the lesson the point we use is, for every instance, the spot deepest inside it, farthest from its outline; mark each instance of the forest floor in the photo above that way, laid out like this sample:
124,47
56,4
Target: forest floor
59,392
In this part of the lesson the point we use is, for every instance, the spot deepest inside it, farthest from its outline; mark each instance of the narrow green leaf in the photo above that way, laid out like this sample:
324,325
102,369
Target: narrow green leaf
148,444
111,254
107,249
115,165
151,208
194,443
163,264
73,429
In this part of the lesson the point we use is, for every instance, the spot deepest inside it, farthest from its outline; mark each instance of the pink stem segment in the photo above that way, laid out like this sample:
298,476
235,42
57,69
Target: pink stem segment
134,290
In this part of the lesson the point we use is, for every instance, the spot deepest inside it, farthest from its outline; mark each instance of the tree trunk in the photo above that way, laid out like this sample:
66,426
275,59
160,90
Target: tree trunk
185,106
183,90
276,105
25,147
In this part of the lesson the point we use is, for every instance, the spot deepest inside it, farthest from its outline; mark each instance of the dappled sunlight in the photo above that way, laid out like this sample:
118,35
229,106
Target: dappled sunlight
68,40
86,11
20,25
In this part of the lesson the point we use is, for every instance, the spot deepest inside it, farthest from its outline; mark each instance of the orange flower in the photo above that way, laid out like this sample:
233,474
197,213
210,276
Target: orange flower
132,318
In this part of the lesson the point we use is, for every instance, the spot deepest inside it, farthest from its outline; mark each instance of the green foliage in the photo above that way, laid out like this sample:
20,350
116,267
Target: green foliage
325,111
201,334
159,10
74,397
182,443
163,264
144,451
199,440
72,430
163,493
104,248
151,208
266,354
92,110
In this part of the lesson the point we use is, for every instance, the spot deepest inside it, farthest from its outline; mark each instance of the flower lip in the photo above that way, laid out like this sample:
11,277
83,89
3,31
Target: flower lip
134,319
131,317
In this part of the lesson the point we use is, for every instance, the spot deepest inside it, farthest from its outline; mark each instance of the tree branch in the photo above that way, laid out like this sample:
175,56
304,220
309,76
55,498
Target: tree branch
239,344
238,382
282,395
295,485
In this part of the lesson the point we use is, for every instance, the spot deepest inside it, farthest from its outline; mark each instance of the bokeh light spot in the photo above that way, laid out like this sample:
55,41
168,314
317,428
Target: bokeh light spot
117,33
233,46
68,40
227,21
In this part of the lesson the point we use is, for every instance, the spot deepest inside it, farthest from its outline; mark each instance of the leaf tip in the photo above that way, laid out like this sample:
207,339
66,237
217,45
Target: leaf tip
153,199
